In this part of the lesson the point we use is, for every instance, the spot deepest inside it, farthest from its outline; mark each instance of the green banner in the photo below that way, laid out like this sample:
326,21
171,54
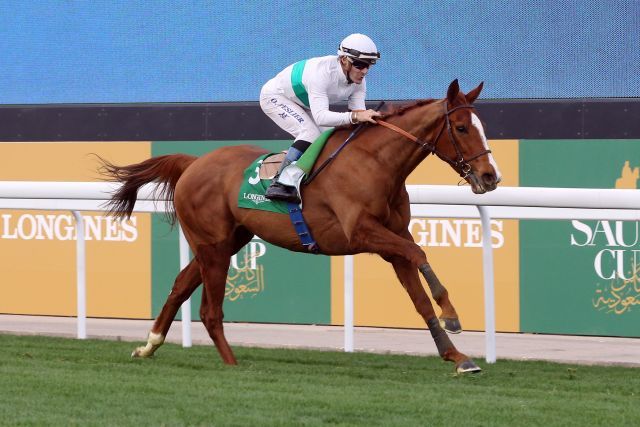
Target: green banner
265,283
580,277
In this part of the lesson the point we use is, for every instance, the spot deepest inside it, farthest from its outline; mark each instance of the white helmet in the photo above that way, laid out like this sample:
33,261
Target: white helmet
360,47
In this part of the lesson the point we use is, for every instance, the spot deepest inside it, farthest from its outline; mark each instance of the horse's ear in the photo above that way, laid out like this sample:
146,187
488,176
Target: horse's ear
473,94
452,93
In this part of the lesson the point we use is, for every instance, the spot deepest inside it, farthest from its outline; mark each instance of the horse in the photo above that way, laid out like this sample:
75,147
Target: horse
358,204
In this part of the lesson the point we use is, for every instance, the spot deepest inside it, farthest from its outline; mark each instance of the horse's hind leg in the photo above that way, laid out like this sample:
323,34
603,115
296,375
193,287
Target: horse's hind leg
214,265
186,282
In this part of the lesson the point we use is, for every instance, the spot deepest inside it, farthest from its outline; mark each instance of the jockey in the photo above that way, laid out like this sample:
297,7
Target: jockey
298,100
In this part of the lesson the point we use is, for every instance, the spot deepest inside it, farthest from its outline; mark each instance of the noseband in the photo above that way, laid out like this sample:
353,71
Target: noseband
460,164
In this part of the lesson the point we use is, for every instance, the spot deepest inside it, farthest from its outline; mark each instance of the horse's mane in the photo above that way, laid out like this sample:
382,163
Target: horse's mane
394,109
400,109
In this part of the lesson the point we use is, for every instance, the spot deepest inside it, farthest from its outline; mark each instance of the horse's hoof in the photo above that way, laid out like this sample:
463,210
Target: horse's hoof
138,352
468,366
451,325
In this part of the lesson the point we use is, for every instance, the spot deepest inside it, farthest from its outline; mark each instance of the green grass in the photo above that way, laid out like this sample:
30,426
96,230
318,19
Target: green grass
56,381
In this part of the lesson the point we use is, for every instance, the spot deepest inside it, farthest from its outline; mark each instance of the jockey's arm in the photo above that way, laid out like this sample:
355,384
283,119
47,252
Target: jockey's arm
319,105
358,109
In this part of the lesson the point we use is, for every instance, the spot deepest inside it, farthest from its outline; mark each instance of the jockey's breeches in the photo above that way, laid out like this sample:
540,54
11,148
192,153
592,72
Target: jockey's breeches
290,117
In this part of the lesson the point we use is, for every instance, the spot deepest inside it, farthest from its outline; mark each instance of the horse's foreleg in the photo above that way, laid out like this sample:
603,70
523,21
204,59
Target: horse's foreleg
405,256
214,266
449,319
404,246
408,276
186,282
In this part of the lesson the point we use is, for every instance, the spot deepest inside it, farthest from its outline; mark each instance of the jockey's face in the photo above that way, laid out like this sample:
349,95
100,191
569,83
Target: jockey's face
354,69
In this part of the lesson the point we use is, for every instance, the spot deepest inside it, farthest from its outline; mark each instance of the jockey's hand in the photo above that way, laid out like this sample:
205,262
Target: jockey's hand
366,116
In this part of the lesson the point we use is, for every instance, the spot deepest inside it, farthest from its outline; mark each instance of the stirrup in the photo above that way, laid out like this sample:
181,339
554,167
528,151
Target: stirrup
278,191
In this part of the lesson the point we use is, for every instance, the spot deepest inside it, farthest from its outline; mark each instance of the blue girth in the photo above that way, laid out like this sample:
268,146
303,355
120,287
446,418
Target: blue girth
295,213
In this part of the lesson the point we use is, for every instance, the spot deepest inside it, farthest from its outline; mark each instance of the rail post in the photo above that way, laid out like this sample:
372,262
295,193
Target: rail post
81,277
185,309
489,293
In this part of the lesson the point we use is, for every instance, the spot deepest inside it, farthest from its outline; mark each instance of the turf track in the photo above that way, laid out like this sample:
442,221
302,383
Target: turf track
56,381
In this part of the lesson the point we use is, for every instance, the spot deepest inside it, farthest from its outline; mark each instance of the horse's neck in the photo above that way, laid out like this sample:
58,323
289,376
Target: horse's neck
401,155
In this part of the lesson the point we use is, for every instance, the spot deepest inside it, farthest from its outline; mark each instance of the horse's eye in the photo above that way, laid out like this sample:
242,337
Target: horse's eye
461,129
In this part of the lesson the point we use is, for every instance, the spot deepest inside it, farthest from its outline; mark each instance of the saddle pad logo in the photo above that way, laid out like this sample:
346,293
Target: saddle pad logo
255,198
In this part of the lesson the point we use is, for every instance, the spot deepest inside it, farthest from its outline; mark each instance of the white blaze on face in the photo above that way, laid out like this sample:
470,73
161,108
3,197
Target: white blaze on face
475,121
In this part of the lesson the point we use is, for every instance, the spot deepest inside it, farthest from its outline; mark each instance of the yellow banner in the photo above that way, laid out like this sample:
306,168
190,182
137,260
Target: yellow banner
38,248
453,248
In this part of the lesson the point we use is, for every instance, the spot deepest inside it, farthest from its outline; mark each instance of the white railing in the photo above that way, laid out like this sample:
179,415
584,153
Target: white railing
505,203
87,196
426,201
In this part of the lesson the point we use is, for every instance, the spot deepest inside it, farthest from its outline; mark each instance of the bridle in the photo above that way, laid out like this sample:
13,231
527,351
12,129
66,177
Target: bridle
460,164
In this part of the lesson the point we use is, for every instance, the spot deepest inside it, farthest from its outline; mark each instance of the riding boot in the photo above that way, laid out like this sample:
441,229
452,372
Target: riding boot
281,191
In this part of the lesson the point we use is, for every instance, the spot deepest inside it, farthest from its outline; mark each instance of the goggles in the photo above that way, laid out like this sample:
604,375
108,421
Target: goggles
360,65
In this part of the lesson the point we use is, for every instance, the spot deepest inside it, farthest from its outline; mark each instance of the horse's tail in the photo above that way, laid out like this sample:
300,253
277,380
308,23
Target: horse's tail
163,170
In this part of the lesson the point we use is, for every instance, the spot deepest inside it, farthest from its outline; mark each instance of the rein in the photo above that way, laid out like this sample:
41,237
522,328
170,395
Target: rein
460,164
335,153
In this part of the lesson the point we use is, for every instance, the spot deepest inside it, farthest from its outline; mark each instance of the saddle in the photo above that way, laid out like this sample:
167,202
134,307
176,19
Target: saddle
270,165
258,176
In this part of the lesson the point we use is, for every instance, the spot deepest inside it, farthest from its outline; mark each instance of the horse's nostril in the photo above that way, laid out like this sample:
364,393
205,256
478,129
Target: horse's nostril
489,179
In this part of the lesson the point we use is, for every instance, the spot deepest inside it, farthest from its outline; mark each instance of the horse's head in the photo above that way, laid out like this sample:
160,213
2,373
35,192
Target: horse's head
462,142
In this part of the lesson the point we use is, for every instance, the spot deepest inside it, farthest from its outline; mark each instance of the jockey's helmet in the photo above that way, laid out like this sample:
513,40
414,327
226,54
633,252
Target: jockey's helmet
360,47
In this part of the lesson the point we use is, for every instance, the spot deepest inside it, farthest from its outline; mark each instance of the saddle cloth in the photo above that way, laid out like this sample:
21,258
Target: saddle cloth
258,176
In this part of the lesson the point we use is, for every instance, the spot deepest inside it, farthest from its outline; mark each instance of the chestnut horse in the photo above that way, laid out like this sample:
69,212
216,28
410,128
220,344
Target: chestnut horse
357,204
